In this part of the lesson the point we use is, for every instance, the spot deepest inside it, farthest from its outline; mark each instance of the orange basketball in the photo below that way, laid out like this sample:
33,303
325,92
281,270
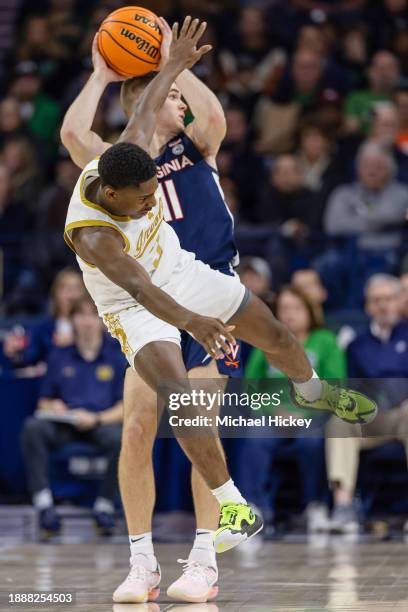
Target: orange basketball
129,40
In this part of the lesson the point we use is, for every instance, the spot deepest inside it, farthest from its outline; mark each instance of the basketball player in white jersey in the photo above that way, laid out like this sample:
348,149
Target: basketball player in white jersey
147,288
135,466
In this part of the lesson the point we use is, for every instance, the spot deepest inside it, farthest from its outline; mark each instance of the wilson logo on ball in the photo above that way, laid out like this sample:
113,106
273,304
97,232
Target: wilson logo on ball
142,44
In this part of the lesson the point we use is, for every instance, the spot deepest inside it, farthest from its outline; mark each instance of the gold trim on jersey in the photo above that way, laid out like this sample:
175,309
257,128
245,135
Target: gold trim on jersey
91,223
146,236
112,322
93,204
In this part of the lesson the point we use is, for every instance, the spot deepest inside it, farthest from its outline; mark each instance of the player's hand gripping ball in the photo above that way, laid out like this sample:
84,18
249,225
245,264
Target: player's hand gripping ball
129,40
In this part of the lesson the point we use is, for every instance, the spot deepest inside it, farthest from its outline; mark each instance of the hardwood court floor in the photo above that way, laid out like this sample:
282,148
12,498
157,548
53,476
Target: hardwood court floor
307,576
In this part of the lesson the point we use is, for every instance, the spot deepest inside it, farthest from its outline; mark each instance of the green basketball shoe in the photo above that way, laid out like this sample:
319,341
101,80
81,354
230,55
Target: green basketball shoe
348,405
237,524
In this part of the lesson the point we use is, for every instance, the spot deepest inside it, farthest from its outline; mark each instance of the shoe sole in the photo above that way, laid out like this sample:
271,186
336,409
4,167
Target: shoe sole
221,545
151,595
210,595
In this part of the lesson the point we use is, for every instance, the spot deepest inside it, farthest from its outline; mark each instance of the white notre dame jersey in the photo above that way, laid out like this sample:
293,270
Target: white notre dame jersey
150,240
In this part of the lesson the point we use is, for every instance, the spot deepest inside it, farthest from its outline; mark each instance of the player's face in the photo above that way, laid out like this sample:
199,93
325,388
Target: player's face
171,116
133,202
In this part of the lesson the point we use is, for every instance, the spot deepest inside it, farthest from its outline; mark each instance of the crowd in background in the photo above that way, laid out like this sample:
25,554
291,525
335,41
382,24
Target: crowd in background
314,168
314,165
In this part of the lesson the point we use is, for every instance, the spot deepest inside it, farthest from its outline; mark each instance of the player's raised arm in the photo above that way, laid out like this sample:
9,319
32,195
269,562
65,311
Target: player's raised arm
76,132
183,53
208,128
103,247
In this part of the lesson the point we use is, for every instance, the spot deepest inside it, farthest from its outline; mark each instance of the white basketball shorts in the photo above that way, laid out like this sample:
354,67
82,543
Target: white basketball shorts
198,288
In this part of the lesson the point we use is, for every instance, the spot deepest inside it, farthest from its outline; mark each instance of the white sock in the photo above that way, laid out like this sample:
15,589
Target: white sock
310,390
141,546
43,499
203,551
228,492
102,504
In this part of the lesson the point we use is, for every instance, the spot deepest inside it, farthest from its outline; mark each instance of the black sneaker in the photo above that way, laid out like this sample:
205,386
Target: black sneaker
104,523
50,522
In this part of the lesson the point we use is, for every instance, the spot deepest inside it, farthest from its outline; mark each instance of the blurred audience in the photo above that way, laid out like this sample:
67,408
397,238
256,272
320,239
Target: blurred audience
322,171
308,87
373,208
238,162
55,330
383,76
80,401
377,360
38,109
371,211
287,202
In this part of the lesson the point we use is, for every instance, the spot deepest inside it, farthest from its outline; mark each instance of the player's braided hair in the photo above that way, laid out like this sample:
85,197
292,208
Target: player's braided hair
124,165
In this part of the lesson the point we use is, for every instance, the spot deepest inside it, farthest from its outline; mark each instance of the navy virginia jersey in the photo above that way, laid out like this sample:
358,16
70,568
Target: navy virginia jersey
194,204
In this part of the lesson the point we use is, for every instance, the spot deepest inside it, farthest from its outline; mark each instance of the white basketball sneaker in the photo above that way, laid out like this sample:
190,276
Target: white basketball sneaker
141,584
197,584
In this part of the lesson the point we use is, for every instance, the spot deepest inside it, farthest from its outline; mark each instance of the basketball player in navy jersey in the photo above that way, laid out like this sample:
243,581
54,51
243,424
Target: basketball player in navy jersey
195,207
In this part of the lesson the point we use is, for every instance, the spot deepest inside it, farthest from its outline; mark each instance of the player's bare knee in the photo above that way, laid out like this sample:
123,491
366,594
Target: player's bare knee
138,433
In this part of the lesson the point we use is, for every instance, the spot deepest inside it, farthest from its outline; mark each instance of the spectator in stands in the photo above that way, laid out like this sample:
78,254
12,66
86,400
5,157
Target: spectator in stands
287,202
308,282
304,319
388,19
322,172
19,155
306,79
384,131
381,355
372,211
294,214
80,400
13,214
14,222
41,112
246,59
38,43
55,330
10,118
354,51
351,208
50,251
383,77
299,88
237,161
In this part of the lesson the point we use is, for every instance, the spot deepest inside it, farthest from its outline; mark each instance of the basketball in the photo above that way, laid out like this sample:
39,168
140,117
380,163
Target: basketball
129,40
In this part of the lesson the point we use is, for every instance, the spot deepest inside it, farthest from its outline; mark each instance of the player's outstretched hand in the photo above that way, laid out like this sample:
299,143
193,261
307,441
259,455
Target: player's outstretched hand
213,334
101,68
183,49
167,36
